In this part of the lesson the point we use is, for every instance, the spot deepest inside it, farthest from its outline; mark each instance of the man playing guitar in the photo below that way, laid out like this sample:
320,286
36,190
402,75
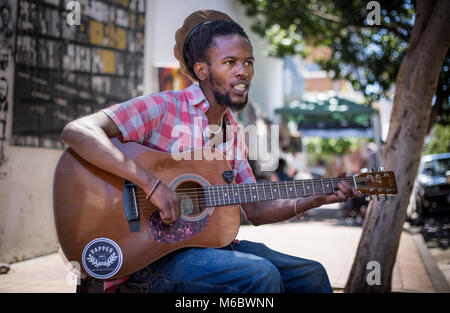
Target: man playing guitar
216,52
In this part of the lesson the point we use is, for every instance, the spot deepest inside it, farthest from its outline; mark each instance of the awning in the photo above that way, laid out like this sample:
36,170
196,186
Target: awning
331,117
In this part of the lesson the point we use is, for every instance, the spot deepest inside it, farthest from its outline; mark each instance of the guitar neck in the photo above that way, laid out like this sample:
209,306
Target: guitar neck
245,193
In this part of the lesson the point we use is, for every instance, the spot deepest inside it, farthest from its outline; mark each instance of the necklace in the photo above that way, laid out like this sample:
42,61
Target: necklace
218,130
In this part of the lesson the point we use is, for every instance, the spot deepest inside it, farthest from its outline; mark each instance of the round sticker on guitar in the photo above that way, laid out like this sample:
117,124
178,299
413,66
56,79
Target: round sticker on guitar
102,258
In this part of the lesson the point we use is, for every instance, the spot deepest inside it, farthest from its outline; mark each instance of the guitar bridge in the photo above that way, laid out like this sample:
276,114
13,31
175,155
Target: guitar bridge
130,206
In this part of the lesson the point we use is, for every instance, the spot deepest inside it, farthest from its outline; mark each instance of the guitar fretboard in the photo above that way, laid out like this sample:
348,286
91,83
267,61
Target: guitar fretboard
245,193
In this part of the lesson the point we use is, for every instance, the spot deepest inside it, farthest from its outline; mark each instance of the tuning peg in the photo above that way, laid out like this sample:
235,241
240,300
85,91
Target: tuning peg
381,169
364,170
372,197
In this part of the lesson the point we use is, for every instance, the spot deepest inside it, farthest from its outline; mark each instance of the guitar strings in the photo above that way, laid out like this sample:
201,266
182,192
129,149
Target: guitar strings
200,193
214,194
308,181
271,184
202,203
262,186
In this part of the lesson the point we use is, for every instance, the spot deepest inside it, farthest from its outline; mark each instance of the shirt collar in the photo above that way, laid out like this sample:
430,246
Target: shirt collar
195,95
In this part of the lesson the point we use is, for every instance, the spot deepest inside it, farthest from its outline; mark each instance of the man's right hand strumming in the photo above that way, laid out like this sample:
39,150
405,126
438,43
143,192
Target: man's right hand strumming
166,200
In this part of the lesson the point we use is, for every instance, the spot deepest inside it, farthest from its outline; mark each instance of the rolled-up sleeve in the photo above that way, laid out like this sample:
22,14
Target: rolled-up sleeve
136,118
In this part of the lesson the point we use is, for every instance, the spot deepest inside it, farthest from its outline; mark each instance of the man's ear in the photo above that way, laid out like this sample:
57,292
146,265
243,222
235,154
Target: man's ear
201,70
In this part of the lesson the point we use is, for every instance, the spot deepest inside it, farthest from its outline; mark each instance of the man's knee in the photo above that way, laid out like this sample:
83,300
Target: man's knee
264,277
319,281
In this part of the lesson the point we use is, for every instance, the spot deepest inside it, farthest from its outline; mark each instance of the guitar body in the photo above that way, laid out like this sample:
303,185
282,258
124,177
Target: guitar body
91,219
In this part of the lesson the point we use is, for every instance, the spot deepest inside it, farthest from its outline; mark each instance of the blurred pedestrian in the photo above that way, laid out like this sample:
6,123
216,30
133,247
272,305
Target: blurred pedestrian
280,173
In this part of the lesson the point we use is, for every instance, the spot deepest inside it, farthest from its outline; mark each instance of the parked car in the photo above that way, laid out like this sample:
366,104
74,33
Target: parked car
431,192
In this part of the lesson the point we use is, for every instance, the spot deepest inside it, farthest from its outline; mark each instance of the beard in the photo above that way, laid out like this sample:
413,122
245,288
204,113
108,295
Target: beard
224,99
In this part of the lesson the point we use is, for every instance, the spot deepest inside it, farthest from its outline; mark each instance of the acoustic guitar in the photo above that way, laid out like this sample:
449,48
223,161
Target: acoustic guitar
106,224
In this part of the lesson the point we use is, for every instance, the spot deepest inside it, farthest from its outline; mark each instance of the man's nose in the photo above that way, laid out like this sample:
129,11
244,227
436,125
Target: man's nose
242,71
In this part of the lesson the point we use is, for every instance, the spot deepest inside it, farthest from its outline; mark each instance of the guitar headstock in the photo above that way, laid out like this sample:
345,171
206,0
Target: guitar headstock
376,182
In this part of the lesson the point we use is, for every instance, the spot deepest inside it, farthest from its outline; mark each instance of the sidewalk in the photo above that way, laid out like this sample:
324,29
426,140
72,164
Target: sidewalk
332,245
335,247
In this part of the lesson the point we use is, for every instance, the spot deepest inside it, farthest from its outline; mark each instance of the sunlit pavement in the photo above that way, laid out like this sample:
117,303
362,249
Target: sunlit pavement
435,230
335,247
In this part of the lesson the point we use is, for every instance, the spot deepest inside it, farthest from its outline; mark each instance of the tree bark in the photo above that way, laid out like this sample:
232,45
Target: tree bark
415,87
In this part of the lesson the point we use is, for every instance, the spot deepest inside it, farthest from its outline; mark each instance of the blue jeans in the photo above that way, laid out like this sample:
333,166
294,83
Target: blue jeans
240,267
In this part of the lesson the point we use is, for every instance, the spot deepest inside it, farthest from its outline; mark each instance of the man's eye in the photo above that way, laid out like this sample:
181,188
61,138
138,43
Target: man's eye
249,63
229,62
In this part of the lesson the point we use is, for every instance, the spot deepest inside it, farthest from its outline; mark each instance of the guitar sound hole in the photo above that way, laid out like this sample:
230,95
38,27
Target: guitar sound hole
192,198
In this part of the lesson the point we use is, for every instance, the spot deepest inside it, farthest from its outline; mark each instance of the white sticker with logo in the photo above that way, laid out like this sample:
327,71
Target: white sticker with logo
102,258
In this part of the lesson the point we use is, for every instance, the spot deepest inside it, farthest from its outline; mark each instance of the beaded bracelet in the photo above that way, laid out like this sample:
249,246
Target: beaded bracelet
295,211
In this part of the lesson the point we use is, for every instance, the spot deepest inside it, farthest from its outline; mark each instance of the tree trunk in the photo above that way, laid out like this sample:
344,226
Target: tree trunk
415,87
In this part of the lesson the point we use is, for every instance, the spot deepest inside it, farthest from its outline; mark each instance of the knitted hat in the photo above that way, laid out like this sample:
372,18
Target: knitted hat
182,35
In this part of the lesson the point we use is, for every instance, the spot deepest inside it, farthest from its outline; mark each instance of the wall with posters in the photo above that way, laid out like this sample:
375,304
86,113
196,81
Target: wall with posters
64,71
171,78
52,72
7,28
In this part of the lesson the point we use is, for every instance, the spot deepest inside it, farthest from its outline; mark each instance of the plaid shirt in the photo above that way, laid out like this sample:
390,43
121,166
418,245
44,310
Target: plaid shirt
175,121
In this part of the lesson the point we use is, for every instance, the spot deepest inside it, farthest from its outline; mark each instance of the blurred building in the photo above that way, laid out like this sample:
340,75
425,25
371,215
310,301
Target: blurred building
315,105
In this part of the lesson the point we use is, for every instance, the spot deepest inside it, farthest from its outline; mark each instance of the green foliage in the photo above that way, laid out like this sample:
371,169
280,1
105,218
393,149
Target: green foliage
367,56
440,140
442,106
324,148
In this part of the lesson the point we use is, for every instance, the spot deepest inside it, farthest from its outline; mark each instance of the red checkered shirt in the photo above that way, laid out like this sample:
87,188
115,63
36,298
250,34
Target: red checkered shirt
175,121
